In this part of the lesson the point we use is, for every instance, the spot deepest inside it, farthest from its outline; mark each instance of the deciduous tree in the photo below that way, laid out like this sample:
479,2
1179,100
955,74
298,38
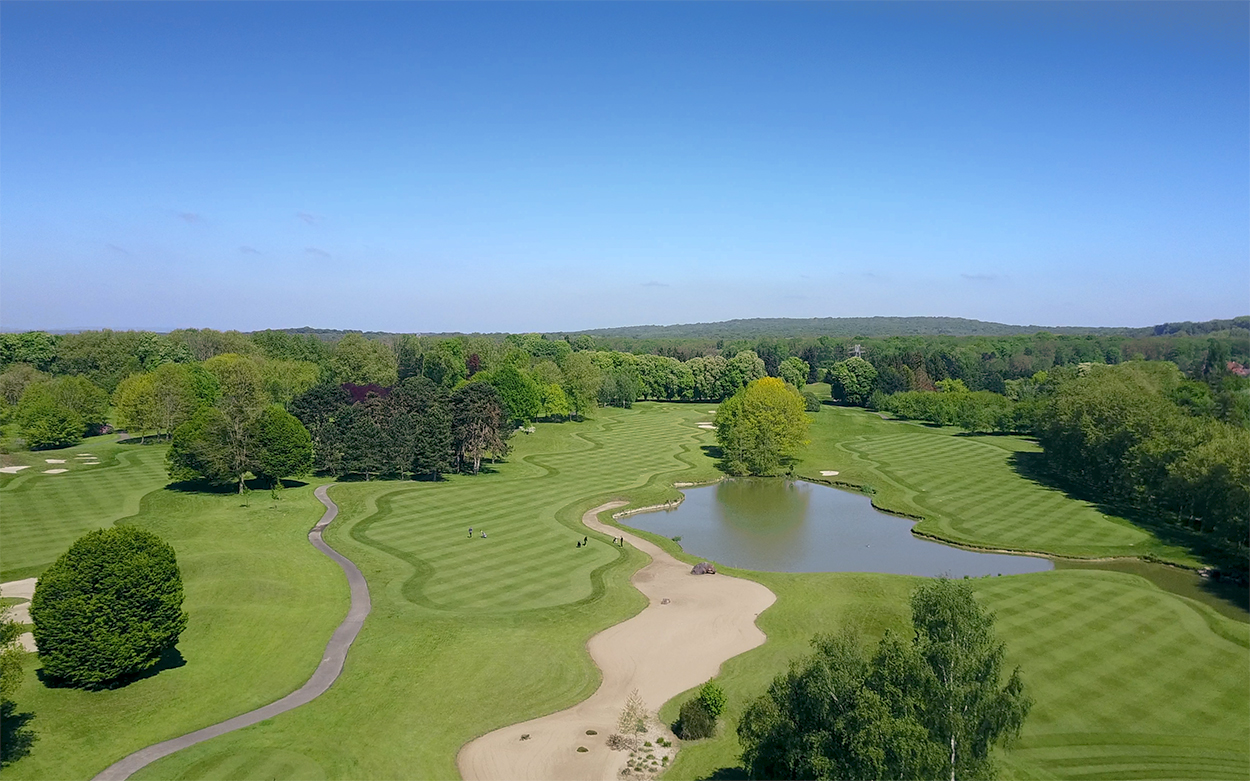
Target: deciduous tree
761,426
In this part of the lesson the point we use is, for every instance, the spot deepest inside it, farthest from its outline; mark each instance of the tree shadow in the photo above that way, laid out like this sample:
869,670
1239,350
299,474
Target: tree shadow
170,659
726,774
1034,467
16,737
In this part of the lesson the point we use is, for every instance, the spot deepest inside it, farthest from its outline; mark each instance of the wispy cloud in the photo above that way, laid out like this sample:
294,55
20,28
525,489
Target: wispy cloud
317,251
981,277
190,217
653,283
311,219
116,248
246,250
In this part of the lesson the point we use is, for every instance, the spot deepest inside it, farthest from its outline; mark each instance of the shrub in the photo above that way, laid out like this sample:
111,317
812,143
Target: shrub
713,698
695,722
811,401
108,607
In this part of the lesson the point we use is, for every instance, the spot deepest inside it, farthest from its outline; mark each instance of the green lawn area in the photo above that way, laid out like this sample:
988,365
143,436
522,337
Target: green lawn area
262,603
467,635
44,513
967,491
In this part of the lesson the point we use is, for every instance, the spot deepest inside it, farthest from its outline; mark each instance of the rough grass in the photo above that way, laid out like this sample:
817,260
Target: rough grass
44,513
262,603
969,490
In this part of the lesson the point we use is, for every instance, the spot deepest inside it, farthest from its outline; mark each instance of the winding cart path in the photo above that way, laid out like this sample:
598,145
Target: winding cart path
325,675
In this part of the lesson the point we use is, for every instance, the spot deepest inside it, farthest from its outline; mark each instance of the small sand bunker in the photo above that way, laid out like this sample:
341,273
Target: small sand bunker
706,425
828,472
84,455
55,460
12,470
54,471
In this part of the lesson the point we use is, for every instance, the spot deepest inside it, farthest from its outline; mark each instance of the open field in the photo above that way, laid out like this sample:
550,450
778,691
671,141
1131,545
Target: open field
44,513
967,490
468,635
262,603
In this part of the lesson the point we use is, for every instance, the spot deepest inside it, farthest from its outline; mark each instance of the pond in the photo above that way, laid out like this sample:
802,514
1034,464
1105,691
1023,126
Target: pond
791,526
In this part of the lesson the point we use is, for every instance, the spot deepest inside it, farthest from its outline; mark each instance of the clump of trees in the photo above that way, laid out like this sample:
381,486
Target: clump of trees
108,608
929,707
698,715
761,427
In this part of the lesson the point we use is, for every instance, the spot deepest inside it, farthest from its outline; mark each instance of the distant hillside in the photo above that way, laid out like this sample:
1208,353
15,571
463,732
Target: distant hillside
782,327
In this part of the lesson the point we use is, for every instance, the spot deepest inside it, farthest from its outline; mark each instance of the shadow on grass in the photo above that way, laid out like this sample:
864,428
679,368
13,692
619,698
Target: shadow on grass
170,659
726,774
207,487
1033,467
16,737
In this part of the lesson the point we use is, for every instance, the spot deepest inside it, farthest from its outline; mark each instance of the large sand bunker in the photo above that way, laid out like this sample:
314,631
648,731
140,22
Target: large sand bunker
693,624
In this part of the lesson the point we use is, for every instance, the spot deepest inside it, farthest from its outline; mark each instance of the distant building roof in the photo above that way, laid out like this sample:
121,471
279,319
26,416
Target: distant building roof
1238,369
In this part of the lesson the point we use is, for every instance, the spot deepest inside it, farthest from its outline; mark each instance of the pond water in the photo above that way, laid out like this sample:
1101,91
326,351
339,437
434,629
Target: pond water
791,526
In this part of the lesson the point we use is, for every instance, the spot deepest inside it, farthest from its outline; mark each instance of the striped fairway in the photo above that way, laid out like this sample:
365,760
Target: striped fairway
43,513
1128,680
530,557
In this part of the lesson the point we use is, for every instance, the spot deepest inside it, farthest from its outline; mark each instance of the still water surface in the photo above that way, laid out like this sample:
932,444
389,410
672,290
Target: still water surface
786,526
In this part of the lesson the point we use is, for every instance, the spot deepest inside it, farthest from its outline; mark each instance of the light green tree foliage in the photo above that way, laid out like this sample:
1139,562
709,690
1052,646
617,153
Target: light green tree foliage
664,378
581,383
240,385
543,348
205,343
363,361
951,386
547,373
134,405
555,402
174,396
285,379
281,446
445,365
743,368
11,654
761,426
88,401
794,371
46,424
709,377
852,381
927,708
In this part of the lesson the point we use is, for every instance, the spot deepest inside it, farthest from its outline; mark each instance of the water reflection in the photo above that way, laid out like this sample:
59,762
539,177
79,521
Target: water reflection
784,526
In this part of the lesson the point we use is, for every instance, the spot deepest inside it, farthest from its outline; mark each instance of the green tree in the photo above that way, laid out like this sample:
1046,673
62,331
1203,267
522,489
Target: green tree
363,361
929,708
429,420
108,607
203,449
478,424
46,424
11,654
15,379
318,408
794,371
555,402
135,406
174,396
743,368
88,402
521,397
852,381
281,446
581,382
761,426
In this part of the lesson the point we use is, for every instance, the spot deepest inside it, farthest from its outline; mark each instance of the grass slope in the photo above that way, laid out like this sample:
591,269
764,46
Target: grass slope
968,491
44,513
262,603
1128,680
468,635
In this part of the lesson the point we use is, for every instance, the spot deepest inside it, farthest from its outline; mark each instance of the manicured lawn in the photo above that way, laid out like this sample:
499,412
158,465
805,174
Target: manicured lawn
1128,681
967,489
262,603
44,513
470,635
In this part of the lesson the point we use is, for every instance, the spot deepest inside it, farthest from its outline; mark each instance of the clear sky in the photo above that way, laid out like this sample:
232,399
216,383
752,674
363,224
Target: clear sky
522,167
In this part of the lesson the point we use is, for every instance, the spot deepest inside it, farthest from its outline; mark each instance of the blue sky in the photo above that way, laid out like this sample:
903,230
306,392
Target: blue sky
521,167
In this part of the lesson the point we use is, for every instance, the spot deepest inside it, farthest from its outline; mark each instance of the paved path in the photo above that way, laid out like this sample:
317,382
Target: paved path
693,624
326,674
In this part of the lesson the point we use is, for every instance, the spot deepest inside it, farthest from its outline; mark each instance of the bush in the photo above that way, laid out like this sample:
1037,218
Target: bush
695,722
109,607
713,698
811,401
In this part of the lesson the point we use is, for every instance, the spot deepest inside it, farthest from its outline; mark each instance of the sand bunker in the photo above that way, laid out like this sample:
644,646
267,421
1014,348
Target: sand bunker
21,589
12,470
54,471
693,624
828,472
706,425
55,460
